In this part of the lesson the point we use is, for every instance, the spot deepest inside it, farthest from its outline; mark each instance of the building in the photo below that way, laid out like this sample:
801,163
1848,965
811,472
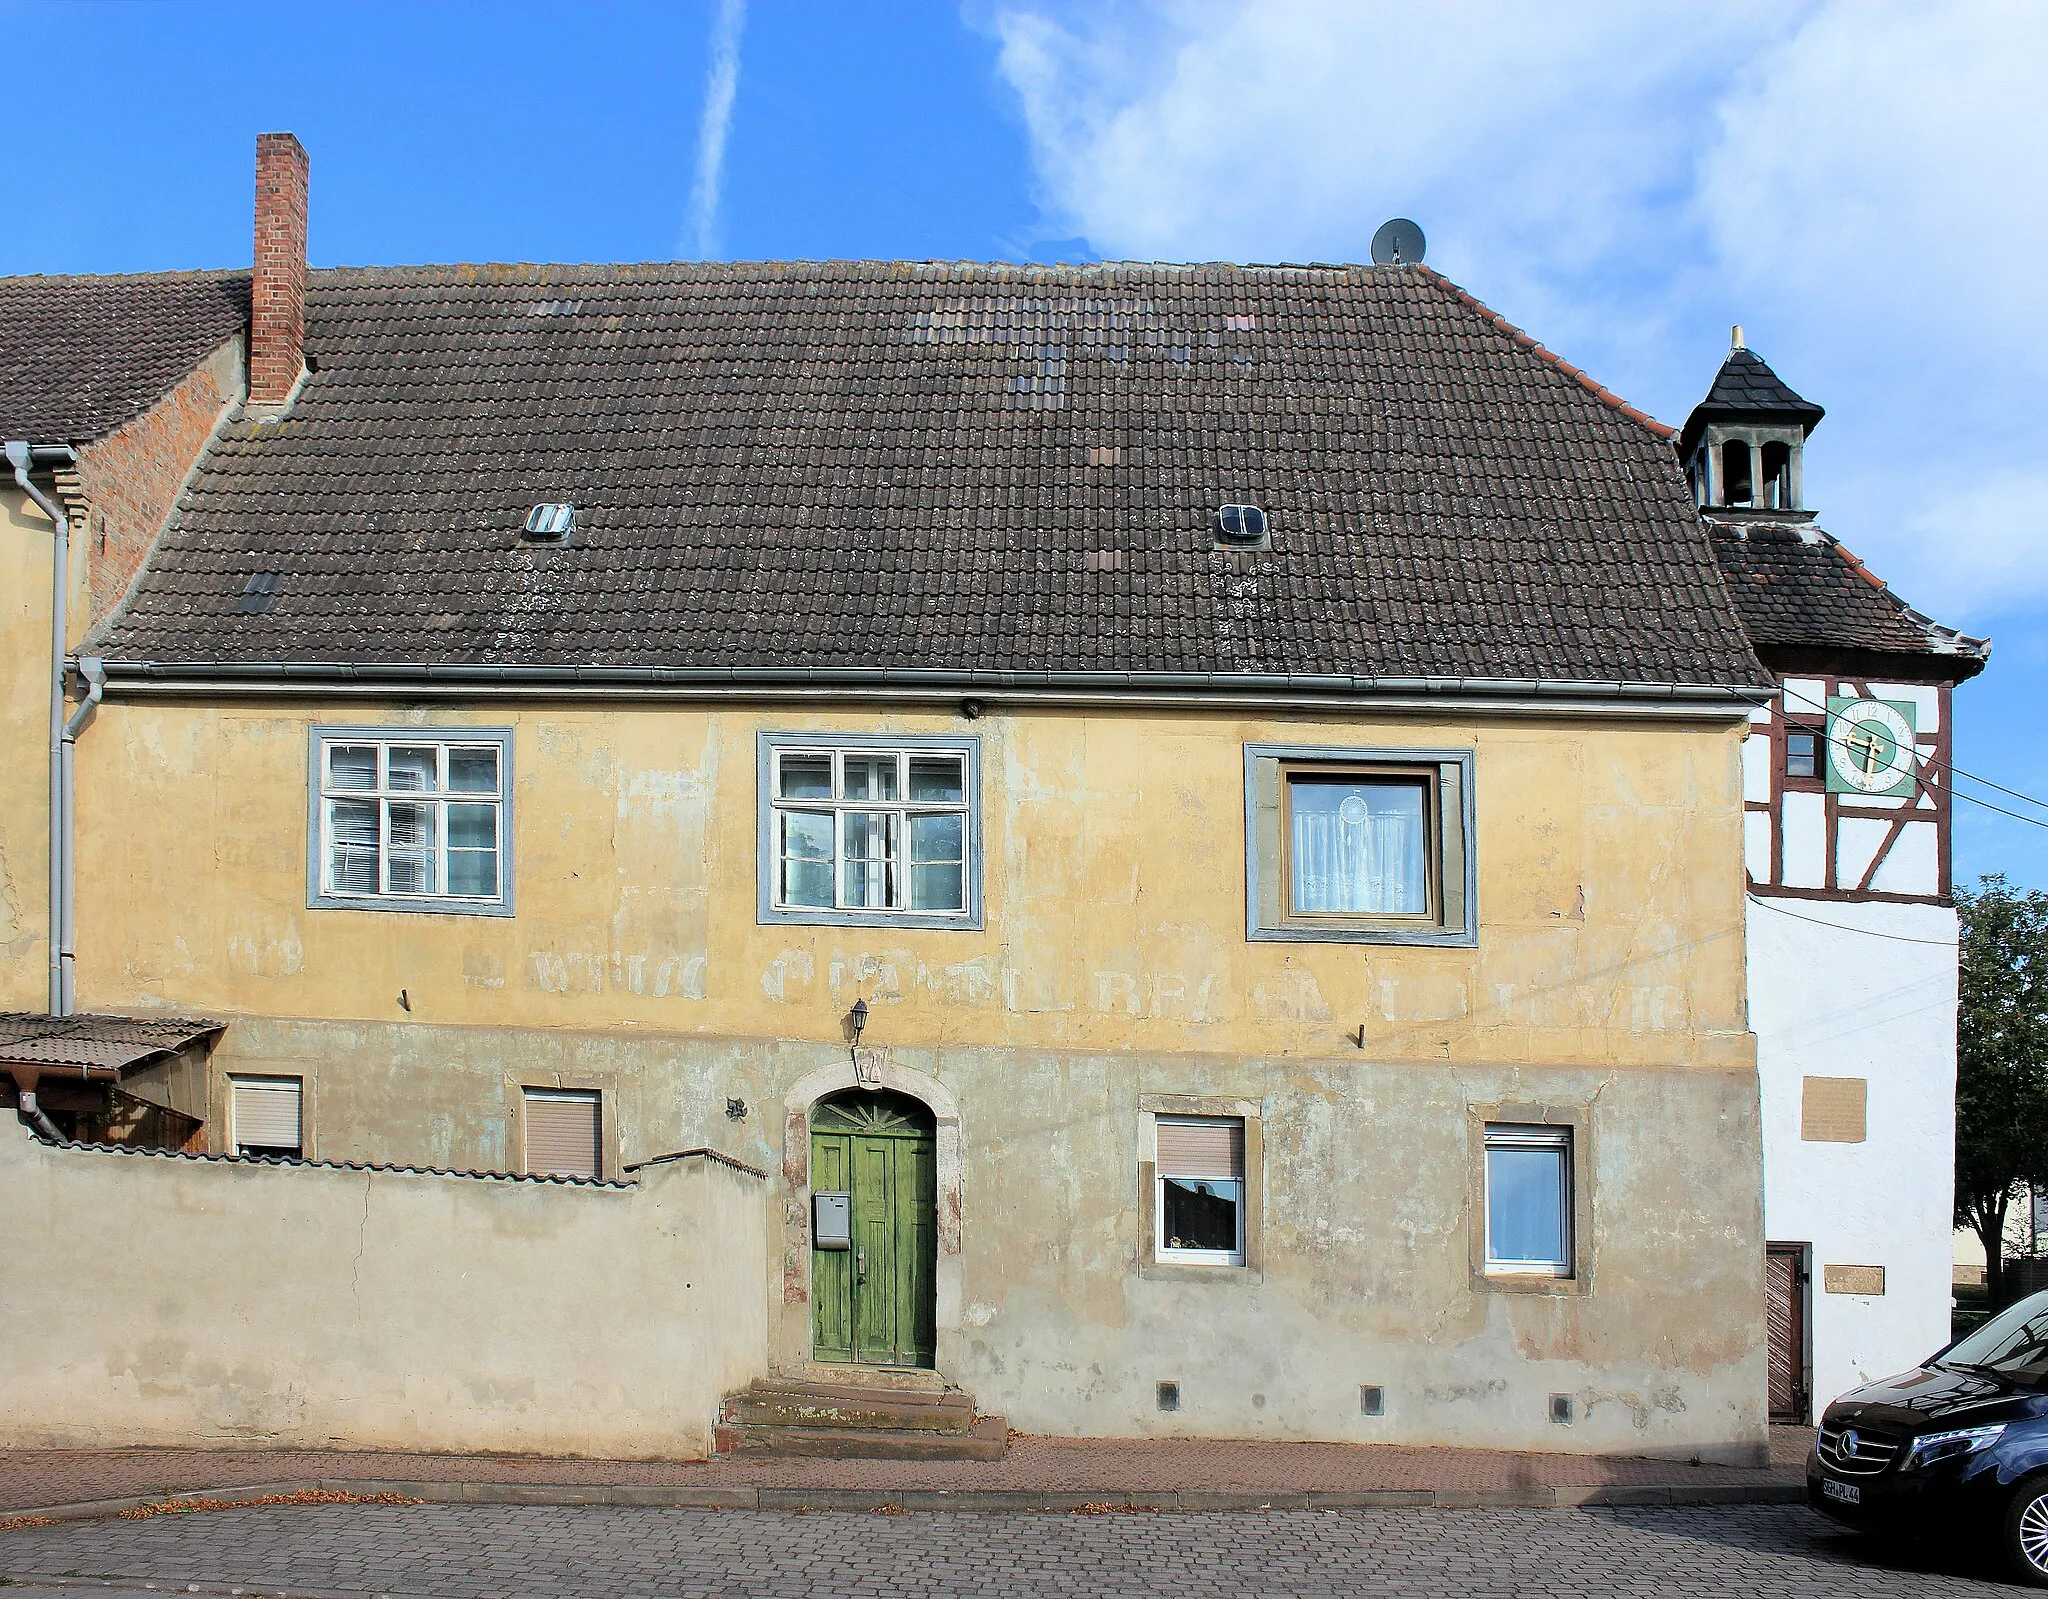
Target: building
1851,924
1181,825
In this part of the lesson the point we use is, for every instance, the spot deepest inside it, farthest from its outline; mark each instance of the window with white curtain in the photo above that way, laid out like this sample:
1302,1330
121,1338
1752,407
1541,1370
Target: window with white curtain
1367,845
1358,844
411,820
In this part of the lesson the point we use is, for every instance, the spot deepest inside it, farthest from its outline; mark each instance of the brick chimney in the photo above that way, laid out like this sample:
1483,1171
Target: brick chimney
277,296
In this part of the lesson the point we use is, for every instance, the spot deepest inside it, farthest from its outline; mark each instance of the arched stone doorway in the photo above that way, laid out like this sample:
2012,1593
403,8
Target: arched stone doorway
873,1300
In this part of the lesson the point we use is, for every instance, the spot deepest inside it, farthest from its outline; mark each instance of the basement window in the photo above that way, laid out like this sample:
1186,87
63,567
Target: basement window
563,1132
549,524
879,832
266,1116
1529,1201
1201,1190
406,820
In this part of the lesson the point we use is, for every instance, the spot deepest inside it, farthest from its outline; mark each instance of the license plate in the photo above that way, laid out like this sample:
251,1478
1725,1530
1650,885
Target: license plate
1843,1492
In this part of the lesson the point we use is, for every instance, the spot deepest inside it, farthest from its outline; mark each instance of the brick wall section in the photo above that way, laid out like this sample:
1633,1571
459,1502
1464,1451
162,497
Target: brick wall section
277,308
130,478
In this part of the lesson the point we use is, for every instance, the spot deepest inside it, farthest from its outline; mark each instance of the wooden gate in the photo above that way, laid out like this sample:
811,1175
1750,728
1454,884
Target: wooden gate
1785,1285
873,1304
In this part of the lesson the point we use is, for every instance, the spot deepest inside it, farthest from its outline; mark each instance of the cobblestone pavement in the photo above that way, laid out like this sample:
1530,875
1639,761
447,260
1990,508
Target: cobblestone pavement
505,1552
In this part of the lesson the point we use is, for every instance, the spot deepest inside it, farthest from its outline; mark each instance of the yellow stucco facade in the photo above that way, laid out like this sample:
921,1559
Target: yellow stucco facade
1609,915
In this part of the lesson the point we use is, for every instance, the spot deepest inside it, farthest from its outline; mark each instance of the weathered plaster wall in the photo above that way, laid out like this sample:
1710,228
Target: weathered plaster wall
1607,980
314,1307
1869,991
1610,900
1370,1200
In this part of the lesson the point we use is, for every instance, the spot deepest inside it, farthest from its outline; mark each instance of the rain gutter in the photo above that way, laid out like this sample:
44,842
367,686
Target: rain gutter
1292,691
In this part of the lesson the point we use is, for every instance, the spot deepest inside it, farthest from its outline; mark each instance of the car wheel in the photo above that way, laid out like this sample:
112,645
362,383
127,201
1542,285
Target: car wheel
2026,1532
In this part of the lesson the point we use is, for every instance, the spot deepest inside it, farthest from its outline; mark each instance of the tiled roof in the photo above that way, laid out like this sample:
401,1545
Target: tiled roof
79,356
1799,589
108,1042
955,468
1747,387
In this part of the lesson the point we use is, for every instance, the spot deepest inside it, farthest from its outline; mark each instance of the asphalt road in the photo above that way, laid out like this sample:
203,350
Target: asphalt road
522,1552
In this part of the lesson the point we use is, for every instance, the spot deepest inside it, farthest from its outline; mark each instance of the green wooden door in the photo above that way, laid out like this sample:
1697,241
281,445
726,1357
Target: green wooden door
873,1304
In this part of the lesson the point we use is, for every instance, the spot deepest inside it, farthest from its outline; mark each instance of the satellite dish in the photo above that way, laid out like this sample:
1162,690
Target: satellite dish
1398,243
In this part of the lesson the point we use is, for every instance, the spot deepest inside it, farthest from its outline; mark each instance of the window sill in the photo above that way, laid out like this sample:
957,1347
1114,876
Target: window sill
1364,933
770,916
1505,1280
413,907
1179,1271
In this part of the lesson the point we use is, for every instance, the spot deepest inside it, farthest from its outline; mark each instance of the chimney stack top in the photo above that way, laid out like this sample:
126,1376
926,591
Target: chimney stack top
277,291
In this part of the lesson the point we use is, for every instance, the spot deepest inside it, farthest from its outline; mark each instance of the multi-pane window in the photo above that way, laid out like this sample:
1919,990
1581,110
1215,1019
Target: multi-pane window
1529,1200
1201,1190
870,830
412,821
1802,752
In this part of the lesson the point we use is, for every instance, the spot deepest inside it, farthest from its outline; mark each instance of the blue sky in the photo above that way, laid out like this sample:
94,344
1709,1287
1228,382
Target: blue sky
1862,183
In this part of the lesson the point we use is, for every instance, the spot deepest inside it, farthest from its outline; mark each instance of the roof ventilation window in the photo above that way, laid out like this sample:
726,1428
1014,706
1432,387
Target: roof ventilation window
1241,527
259,593
548,524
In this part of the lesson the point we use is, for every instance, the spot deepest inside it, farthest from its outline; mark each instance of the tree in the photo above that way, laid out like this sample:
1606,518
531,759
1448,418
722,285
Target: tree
2001,1060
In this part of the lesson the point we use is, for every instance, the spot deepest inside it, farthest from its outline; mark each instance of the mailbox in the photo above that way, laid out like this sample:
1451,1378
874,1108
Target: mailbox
832,1220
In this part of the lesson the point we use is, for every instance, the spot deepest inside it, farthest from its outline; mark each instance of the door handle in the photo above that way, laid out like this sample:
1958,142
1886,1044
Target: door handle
860,1265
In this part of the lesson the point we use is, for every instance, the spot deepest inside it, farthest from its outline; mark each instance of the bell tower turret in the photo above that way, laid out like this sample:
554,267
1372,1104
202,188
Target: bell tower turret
1742,444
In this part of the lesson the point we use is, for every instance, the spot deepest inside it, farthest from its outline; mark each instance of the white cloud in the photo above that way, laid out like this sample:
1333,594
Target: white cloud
721,83
1863,183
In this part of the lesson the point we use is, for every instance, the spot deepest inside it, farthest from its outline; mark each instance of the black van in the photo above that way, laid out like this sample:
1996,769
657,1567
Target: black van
1957,1445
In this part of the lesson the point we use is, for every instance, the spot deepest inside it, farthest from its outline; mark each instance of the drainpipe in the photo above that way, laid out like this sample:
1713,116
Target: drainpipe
25,1078
94,671
21,456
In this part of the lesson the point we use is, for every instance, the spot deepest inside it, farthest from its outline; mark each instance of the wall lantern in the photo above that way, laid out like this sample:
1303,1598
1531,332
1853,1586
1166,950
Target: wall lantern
866,1066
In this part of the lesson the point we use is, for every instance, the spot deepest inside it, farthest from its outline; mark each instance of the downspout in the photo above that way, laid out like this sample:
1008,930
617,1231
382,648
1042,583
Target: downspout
20,456
25,1079
94,671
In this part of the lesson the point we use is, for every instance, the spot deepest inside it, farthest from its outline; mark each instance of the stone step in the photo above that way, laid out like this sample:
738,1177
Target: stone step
987,1440
808,1406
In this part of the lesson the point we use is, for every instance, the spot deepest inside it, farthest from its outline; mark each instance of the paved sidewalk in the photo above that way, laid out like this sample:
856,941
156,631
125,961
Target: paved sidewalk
1039,1474
552,1552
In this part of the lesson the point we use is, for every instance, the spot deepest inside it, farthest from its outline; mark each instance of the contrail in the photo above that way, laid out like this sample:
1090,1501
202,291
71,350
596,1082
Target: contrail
719,85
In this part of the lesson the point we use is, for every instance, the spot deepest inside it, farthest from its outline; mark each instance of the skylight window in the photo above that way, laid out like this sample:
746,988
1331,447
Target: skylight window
1241,525
549,523
259,593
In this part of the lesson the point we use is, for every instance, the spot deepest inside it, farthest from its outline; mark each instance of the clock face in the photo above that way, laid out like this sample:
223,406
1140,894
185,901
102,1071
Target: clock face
1872,748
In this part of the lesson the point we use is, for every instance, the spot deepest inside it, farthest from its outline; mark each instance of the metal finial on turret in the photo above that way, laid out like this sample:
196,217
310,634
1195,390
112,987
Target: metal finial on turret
1735,337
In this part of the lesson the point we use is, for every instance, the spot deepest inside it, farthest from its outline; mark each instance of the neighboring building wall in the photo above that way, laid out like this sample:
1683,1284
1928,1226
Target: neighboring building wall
132,476
306,1306
1607,984
1871,998
119,496
1852,989
25,554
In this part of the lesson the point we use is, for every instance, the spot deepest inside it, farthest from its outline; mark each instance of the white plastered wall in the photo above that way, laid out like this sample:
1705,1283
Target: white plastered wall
1861,990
